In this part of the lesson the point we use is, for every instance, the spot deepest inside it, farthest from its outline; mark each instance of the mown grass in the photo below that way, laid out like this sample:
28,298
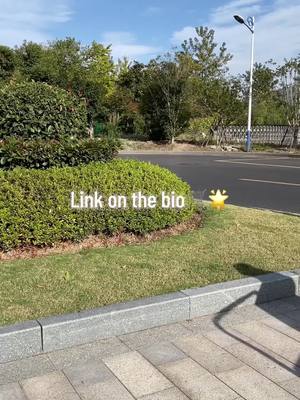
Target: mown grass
232,243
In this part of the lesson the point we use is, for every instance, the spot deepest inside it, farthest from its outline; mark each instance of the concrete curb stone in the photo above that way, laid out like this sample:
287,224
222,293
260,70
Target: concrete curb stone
54,333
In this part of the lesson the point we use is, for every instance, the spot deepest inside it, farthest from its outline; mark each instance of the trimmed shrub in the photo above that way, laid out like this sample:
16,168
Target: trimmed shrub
44,154
35,205
38,110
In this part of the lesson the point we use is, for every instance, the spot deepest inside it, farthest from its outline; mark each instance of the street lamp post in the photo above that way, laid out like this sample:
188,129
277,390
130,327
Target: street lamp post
250,25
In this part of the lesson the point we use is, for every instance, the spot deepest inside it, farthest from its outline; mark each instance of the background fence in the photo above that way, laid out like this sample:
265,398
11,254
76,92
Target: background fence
272,134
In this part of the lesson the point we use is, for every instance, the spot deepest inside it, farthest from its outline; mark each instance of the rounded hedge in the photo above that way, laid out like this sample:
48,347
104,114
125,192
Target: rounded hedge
35,204
35,109
44,154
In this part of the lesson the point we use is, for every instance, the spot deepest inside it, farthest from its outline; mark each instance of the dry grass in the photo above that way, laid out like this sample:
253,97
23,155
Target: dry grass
134,145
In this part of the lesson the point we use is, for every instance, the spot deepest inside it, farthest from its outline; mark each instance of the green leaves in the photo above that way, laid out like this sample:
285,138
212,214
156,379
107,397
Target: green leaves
44,154
7,62
35,205
37,110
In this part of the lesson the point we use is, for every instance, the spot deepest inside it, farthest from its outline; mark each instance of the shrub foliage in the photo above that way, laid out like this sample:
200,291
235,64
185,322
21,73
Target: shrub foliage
34,109
35,204
44,154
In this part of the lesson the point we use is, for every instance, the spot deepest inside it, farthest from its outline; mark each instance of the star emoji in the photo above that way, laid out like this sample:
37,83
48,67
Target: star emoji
218,198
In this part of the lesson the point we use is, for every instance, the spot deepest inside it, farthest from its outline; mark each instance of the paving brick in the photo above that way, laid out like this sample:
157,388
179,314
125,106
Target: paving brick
253,386
90,352
196,382
22,369
237,315
225,338
162,353
266,362
277,342
154,335
20,341
12,391
295,315
118,319
169,394
107,390
88,373
137,374
208,354
295,301
284,325
200,324
292,386
53,386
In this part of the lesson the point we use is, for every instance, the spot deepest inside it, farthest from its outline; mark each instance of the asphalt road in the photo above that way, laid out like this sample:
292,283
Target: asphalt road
261,181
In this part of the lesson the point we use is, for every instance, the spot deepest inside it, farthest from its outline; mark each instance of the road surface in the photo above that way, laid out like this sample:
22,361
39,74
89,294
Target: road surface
260,180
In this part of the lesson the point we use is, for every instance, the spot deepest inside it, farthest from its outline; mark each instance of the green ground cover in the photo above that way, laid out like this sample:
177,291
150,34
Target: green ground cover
231,244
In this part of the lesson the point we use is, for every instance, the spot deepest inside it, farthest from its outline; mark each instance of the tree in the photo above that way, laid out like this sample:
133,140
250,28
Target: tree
267,107
7,63
132,78
201,53
87,71
289,77
29,61
211,95
221,101
164,98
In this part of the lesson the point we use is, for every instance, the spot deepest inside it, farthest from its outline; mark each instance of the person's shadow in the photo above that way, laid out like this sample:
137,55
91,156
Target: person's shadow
261,300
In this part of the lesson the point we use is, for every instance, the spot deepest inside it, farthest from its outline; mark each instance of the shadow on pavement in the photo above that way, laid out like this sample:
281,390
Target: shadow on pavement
249,270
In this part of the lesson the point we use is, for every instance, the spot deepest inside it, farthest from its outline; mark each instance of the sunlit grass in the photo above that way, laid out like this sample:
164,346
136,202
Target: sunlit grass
91,278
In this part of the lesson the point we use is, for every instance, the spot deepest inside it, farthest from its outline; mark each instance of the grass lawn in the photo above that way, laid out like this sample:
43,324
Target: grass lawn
233,243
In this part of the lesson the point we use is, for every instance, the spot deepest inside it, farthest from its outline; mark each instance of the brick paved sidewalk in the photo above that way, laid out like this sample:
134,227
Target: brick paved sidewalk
249,353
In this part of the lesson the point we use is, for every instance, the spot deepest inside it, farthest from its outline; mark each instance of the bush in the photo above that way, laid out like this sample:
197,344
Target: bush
44,154
35,205
38,110
199,130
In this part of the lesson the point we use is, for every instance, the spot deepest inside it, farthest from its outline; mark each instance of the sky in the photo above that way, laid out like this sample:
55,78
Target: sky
142,29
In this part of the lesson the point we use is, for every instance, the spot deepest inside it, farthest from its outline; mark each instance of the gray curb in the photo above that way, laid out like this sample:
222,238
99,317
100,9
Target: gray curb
53,333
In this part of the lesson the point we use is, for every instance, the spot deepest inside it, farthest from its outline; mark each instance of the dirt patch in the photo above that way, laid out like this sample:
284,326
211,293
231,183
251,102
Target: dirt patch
140,146
132,145
102,241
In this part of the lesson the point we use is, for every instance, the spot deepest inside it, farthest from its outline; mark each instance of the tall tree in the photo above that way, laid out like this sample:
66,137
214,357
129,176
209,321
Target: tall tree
289,76
203,55
164,98
87,71
29,61
267,107
220,100
133,79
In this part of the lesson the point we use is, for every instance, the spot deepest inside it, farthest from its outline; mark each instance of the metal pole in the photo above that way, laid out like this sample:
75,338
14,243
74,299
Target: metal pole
249,128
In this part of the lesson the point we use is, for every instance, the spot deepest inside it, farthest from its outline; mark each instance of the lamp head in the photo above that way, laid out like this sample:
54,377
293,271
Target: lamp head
239,19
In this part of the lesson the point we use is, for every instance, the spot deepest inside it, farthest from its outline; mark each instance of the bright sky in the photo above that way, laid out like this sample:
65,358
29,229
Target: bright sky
141,29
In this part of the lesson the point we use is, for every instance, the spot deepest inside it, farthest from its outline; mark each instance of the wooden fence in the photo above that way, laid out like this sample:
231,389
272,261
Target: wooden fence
272,134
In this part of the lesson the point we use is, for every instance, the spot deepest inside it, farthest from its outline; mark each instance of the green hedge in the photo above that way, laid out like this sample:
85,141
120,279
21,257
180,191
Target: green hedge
35,205
44,154
34,110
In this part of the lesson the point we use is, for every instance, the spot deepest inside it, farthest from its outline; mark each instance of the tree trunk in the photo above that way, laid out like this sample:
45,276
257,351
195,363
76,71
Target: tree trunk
91,131
296,134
